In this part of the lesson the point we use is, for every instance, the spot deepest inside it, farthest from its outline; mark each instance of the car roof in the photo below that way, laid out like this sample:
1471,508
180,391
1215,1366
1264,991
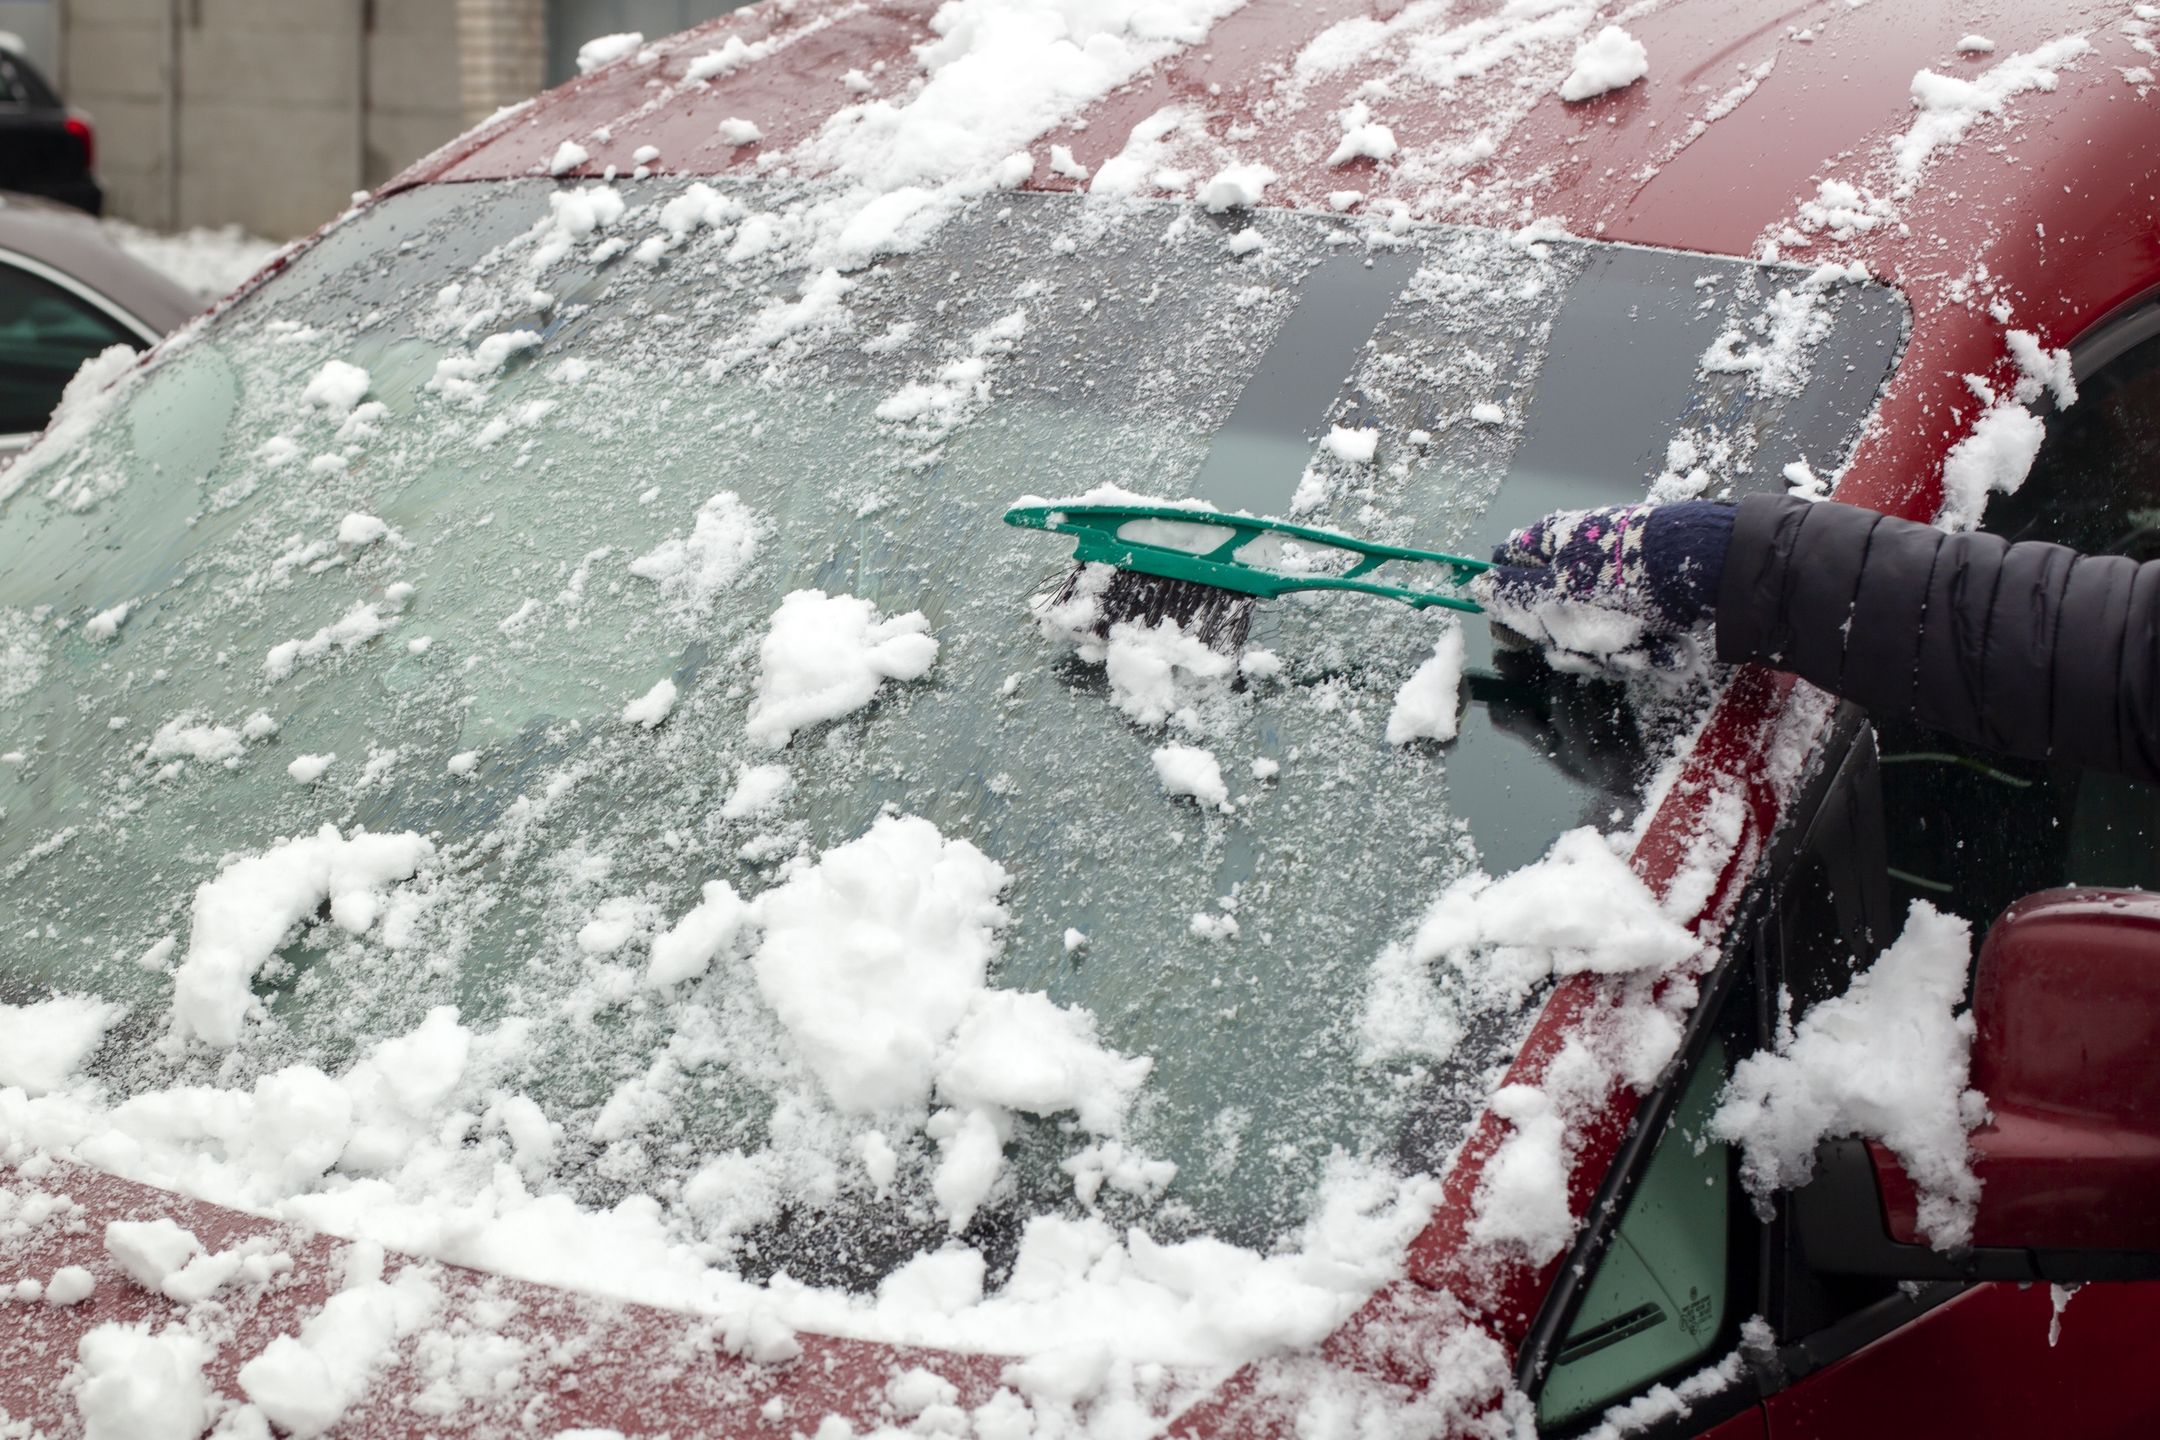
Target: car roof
71,243
2039,147
1746,104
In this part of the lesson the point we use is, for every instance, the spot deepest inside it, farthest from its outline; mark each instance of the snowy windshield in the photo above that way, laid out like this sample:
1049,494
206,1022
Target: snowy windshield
540,698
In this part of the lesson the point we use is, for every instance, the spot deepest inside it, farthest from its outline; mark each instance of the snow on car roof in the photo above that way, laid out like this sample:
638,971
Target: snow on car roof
1452,112
1891,139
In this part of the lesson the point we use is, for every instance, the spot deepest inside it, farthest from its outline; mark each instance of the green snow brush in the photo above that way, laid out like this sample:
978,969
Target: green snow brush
1211,591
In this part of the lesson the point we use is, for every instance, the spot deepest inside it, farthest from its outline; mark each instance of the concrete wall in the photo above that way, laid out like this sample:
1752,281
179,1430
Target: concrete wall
501,50
116,62
268,114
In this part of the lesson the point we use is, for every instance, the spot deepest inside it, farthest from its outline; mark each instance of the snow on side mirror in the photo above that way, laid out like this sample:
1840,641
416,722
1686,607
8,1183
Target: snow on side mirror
2066,1006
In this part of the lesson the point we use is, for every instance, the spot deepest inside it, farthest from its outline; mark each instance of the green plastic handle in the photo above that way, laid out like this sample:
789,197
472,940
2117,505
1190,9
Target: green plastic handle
1097,526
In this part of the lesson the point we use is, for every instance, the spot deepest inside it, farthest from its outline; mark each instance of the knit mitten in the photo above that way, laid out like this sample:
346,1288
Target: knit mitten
1612,590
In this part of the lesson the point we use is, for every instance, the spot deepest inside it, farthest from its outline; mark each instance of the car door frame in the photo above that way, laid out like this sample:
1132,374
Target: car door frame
1829,806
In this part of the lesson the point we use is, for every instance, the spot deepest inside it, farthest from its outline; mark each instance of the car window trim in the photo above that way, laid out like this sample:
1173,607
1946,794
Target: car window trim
103,304
1743,954
2114,335
1645,1130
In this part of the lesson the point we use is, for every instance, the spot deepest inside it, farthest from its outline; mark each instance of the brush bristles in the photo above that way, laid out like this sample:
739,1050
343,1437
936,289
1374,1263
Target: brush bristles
1219,619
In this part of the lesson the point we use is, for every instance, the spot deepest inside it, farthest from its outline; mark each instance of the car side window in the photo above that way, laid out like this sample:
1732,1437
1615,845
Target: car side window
21,85
1973,831
1658,1302
45,335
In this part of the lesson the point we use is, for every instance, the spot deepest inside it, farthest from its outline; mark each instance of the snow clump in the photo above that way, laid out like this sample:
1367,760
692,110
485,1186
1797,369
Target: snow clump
304,1383
1888,1060
686,949
1159,673
876,960
242,916
335,389
1995,457
653,707
825,656
733,54
691,570
1609,60
1843,209
1354,446
1950,106
1235,187
758,790
186,737
106,623
44,1043
362,623
83,405
1523,1197
1425,706
1363,138
2041,370
461,377
361,531
140,1384
606,50
1580,909
1189,770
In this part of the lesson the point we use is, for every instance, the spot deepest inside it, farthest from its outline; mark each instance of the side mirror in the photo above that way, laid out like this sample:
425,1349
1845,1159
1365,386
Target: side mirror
2066,1007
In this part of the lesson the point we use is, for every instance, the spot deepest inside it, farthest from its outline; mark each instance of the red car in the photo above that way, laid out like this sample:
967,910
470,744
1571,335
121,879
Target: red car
561,872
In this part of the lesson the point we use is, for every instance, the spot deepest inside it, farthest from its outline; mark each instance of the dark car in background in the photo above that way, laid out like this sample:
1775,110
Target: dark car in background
45,148
66,293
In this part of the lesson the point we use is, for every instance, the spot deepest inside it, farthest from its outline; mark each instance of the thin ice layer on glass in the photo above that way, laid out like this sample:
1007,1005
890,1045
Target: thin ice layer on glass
526,996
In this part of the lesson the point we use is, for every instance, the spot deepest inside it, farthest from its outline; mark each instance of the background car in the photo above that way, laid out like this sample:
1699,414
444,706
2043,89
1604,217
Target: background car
45,148
419,835
67,294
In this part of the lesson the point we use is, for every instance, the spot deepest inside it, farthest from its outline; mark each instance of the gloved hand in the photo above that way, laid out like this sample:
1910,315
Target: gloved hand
1612,591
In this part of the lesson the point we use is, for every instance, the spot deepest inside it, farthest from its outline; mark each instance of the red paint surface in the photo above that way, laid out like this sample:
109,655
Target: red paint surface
2063,217
1748,1425
590,1363
1980,1367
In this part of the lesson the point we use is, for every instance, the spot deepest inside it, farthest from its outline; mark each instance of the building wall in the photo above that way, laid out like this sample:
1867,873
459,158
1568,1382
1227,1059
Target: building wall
116,63
269,114
502,46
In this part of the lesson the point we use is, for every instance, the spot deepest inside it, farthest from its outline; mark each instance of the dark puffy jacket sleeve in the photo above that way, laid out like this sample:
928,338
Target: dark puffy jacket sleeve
2029,649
